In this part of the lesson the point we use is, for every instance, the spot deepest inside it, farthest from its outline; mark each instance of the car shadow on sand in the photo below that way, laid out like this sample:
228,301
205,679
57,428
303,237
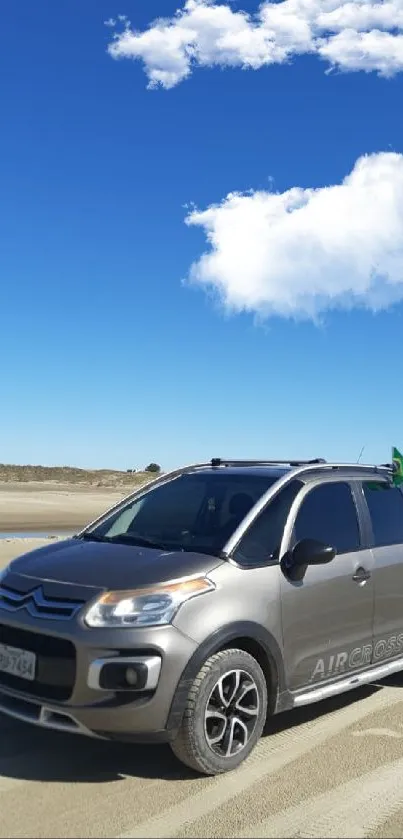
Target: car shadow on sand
33,754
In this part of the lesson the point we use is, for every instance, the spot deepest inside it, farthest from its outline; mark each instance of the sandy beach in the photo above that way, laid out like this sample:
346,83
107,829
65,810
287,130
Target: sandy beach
46,507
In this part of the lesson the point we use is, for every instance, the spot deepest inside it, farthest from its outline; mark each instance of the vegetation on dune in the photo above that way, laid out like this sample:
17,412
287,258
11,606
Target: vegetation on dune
10,473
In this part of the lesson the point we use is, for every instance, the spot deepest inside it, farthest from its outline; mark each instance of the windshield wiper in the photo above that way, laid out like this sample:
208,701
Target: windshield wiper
128,539
93,537
138,540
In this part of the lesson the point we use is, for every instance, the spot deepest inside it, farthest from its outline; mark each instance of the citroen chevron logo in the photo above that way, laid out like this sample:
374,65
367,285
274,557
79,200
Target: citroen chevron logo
37,605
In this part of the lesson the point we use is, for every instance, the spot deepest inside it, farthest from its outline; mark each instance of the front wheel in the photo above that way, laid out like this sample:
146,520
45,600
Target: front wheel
225,713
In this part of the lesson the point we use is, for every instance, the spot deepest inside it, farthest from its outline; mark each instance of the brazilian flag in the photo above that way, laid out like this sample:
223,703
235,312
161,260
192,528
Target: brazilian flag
398,464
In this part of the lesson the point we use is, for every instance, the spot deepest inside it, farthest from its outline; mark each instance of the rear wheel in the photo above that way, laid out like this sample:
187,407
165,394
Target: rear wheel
225,713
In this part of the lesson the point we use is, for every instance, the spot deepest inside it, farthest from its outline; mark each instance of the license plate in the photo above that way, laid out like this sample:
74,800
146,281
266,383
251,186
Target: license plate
17,662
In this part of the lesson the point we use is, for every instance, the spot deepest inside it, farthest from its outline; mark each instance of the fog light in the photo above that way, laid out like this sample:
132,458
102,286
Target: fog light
131,676
123,675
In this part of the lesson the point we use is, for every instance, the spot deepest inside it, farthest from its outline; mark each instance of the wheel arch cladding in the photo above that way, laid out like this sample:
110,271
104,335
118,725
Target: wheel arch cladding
243,635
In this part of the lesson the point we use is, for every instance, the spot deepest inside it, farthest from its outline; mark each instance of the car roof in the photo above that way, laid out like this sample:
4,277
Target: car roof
303,470
268,471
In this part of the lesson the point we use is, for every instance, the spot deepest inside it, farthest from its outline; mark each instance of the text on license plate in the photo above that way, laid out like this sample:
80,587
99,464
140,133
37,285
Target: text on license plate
17,662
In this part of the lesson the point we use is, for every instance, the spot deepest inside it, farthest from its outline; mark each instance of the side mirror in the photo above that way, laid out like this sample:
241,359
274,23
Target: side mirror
306,552
311,552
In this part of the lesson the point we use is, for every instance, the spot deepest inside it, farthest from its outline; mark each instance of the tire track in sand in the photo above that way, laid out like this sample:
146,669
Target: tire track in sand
353,809
270,755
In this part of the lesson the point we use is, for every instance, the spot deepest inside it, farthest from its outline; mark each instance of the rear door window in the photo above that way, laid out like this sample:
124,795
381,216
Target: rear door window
385,504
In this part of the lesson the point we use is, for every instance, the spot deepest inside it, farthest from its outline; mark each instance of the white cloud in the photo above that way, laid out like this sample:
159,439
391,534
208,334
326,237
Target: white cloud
349,34
305,251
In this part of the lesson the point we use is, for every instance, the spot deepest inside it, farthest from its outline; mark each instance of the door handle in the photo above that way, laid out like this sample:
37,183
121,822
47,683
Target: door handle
361,575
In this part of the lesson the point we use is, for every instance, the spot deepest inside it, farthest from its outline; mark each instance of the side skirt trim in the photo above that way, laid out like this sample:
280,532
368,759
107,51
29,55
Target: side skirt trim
373,674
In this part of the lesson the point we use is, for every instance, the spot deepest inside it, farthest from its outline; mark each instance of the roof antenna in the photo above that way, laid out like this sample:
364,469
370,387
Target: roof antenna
361,454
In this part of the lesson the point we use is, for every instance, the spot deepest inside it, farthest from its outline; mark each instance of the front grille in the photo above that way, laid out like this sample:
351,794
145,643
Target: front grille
55,667
37,603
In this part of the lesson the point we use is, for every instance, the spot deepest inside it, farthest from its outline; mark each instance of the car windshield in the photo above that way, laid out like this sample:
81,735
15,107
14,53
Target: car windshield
196,511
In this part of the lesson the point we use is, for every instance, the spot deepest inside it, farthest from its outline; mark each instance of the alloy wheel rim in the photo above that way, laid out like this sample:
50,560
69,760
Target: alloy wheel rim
232,713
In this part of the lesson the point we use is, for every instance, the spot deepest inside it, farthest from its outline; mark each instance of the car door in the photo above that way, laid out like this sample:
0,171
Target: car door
384,503
327,616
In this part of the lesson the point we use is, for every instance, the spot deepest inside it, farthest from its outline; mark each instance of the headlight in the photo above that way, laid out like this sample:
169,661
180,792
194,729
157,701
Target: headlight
144,606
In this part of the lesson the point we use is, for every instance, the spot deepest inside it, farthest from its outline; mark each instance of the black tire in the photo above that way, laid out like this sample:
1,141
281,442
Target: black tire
203,719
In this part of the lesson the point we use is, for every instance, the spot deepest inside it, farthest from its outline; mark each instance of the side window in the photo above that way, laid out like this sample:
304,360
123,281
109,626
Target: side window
262,540
385,504
328,514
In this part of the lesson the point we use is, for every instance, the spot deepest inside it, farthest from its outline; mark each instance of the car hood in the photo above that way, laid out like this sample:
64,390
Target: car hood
104,566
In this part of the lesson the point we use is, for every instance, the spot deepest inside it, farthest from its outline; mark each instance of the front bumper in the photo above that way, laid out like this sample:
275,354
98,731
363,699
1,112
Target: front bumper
124,714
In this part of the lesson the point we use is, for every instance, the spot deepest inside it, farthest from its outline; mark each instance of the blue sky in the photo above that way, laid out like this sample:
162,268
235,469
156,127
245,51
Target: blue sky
111,356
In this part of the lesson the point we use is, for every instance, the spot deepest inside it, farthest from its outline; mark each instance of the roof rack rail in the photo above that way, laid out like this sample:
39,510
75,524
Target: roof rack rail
392,466
219,461
357,467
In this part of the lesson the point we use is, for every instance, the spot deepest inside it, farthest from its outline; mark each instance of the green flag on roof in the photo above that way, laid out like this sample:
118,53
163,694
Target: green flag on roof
398,463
